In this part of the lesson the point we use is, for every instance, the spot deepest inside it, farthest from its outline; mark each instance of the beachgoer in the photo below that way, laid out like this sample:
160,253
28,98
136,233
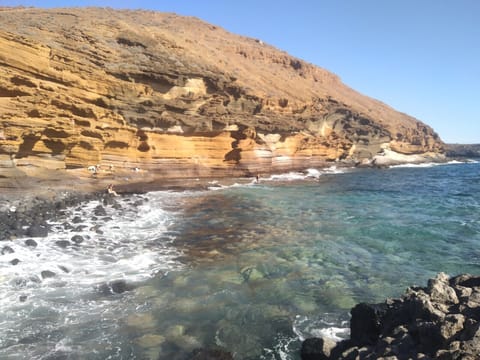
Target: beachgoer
111,191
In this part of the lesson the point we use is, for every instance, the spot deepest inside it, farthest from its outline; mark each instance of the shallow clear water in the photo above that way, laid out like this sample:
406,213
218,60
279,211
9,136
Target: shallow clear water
252,268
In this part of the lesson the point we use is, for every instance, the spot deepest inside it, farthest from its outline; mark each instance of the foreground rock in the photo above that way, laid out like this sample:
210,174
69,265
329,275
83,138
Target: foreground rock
440,321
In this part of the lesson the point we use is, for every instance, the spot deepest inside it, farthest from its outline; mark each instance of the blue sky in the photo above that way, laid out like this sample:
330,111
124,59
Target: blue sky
421,57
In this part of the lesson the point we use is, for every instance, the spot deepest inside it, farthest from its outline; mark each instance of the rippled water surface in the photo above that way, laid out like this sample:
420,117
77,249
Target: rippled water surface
252,268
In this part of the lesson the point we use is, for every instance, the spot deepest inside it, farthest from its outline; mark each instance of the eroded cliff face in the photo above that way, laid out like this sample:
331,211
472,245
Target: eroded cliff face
138,89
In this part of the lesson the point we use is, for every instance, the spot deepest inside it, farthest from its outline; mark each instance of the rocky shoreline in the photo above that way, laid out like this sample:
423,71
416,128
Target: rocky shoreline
439,321
28,199
27,202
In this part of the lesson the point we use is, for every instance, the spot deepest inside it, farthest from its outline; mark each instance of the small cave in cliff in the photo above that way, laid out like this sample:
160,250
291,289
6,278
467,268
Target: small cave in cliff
233,155
5,92
85,145
143,147
142,122
116,144
56,146
34,113
83,123
54,133
142,135
92,134
25,148
283,103
22,81
101,102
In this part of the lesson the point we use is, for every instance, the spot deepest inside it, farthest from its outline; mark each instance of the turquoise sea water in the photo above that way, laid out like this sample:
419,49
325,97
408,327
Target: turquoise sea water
252,268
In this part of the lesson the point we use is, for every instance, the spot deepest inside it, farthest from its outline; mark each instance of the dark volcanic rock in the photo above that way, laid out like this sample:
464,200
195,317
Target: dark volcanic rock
77,239
63,268
100,211
38,231
31,243
119,286
440,321
63,243
211,354
77,220
365,325
317,349
47,274
7,250
115,287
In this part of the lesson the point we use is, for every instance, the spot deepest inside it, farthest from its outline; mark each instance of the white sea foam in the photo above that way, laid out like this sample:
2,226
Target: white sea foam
218,186
314,173
431,164
281,349
310,173
333,332
291,176
132,243
326,326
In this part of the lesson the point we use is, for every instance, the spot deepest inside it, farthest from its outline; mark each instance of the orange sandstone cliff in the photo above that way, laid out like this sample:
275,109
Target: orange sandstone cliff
177,96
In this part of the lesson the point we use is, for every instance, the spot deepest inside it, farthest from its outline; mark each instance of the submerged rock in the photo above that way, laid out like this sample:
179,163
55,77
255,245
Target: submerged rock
211,354
38,230
100,211
31,243
77,220
115,287
77,239
63,243
47,274
440,321
7,250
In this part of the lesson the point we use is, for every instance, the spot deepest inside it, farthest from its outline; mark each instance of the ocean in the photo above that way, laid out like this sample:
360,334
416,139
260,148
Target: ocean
251,267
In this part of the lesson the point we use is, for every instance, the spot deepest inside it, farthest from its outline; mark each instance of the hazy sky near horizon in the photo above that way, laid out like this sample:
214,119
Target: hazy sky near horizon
421,57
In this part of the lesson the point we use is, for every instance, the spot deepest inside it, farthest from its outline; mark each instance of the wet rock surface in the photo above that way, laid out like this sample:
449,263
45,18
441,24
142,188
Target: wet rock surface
28,217
439,321
211,354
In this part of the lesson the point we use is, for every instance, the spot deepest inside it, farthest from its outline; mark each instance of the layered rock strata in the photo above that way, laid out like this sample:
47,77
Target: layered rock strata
161,92
440,321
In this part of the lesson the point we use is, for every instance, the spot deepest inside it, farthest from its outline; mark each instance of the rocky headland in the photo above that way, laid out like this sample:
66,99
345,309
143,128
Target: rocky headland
463,150
439,321
143,95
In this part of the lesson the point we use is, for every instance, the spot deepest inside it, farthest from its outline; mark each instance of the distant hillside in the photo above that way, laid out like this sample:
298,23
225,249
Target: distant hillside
463,150
163,92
